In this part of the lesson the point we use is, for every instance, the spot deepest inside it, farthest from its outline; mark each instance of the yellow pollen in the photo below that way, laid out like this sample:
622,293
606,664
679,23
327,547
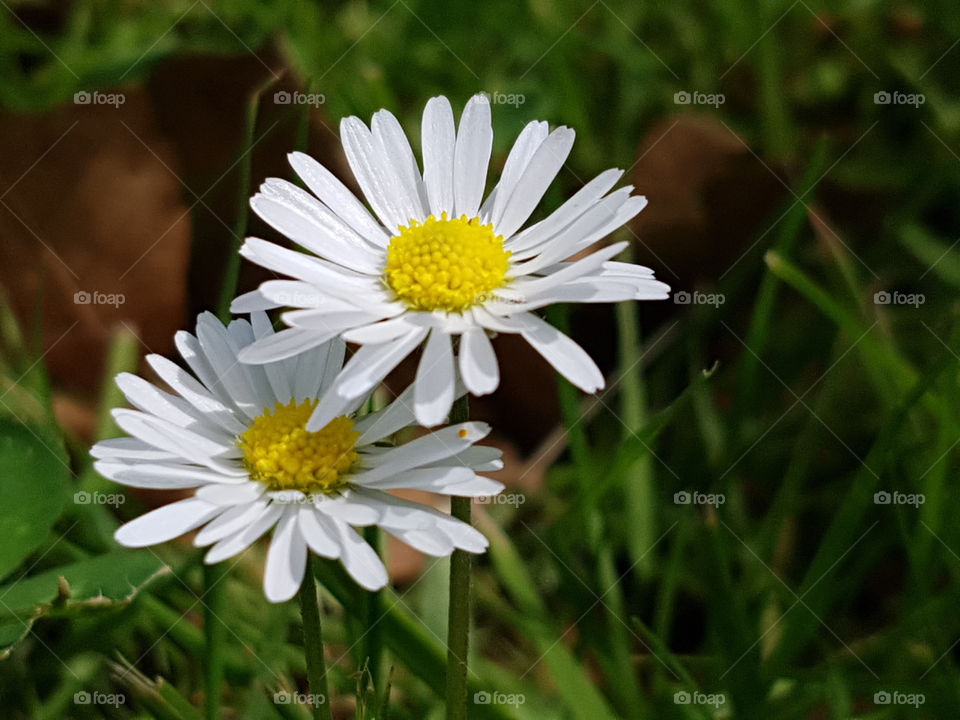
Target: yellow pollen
463,433
446,264
279,452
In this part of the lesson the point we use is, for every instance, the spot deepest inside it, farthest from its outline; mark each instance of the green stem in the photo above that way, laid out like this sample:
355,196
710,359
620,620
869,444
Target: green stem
231,273
313,645
458,621
215,587
373,641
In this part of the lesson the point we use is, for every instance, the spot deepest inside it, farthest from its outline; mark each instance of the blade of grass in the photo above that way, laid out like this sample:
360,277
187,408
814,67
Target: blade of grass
578,691
847,522
640,503
762,321
231,272
624,684
890,373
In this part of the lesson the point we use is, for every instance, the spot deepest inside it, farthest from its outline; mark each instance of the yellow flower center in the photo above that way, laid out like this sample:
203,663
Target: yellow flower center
279,452
445,264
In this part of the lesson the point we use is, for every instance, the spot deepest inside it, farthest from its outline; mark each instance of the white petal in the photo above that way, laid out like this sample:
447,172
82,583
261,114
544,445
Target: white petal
464,536
284,344
328,321
371,364
455,480
387,330
151,475
307,222
186,444
251,301
508,323
191,390
232,521
240,541
434,384
394,512
423,527
333,279
307,370
478,363
333,365
429,541
530,138
573,208
568,358
154,401
438,142
357,556
338,198
396,149
477,457
166,523
380,184
472,156
286,560
129,448
582,290
571,271
594,225
318,533
536,178
277,375
348,509
429,448
297,293
383,423
231,494
221,351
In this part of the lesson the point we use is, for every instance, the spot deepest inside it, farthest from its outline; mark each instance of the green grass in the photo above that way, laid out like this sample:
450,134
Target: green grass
796,400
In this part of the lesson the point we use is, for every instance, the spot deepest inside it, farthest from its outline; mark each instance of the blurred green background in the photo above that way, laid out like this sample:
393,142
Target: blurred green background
755,519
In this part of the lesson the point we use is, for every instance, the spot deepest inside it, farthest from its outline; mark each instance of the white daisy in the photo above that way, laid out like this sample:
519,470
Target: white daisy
435,262
237,434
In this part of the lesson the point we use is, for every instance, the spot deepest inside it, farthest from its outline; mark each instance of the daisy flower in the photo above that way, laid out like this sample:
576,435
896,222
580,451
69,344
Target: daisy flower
435,260
236,434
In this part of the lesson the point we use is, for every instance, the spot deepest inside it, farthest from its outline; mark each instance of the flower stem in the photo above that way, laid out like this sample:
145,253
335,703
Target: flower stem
313,645
458,621
215,594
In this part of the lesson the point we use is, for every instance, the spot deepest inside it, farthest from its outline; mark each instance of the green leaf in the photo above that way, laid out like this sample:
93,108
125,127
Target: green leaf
102,582
34,487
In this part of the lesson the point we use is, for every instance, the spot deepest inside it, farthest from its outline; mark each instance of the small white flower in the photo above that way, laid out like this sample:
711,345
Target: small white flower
436,263
237,434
